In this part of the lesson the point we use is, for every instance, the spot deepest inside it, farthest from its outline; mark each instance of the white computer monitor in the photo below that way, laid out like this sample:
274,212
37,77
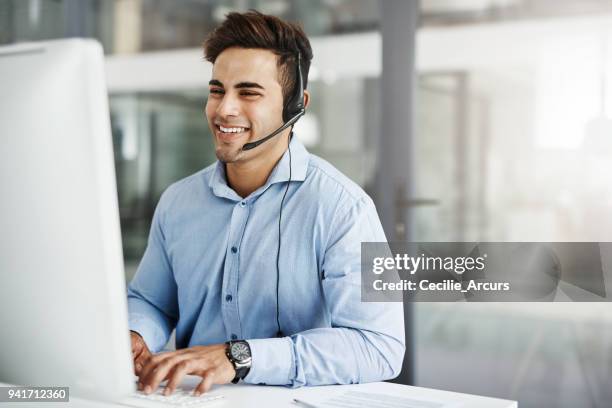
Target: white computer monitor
63,307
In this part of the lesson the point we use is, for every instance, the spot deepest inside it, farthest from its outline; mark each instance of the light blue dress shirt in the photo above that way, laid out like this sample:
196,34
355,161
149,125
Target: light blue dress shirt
209,271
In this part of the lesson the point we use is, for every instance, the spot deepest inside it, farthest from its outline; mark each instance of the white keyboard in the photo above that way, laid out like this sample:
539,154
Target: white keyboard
179,398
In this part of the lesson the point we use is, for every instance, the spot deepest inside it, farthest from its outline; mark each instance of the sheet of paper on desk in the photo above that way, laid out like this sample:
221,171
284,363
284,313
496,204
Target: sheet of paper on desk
358,399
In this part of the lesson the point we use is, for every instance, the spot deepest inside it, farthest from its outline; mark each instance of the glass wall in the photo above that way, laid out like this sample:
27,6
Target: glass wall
158,138
132,26
513,143
34,20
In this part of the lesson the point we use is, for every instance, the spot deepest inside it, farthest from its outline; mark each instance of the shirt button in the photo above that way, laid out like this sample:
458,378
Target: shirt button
234,337
228,298
234,250
243,204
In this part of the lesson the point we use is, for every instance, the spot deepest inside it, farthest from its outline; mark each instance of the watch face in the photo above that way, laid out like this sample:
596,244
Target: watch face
240,351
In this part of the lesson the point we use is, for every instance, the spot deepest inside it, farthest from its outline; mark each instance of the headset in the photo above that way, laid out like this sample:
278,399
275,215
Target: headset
292,111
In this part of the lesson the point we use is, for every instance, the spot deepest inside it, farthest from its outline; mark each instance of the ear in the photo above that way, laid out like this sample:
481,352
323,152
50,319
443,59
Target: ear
306,99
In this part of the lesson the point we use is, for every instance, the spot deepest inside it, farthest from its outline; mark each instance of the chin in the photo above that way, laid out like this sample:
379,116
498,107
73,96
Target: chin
227,154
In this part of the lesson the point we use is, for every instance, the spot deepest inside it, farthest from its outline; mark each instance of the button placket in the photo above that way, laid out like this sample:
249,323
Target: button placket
229,305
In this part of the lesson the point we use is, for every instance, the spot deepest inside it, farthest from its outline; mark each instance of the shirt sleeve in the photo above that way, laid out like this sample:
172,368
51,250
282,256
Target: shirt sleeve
366,340
152,293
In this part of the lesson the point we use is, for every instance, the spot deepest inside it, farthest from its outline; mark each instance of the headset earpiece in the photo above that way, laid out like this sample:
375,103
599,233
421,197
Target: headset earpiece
296,101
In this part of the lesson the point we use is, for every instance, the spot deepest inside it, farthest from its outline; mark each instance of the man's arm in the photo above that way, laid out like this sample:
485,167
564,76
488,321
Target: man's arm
366,341
152,294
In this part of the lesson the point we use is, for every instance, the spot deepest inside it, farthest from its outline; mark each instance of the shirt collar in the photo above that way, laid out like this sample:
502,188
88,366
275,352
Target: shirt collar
280,172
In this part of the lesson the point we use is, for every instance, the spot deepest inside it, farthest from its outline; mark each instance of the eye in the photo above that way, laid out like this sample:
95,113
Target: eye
216,91
249,93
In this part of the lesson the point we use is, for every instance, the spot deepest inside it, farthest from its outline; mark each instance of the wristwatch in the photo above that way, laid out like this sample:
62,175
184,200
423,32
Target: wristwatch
239,354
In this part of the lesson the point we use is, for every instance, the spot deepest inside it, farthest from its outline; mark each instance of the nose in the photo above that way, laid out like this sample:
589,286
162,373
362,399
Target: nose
228,107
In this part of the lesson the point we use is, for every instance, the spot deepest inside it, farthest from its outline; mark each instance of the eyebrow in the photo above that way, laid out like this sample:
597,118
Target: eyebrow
244,84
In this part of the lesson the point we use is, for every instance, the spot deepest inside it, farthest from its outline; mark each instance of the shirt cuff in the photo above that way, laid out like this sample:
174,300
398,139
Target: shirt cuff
152,334
272,361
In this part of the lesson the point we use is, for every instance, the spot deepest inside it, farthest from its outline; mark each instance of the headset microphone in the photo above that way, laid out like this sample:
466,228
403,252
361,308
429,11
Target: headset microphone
295,107
252,145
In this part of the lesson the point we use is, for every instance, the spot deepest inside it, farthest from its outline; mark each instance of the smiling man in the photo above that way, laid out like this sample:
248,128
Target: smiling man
255,260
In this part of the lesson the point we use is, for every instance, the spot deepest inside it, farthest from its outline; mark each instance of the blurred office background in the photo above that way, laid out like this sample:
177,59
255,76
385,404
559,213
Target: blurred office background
511,140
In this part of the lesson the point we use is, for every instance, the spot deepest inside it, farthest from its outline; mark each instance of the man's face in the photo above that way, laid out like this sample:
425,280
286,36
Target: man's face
245,102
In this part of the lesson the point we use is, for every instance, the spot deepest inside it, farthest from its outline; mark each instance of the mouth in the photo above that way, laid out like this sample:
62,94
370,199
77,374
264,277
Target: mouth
230,133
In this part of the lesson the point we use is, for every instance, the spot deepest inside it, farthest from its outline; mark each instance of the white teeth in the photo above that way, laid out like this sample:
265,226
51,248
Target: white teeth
231,130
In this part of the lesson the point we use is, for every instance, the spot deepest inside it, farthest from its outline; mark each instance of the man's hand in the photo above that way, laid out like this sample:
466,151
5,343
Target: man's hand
140,352
209,362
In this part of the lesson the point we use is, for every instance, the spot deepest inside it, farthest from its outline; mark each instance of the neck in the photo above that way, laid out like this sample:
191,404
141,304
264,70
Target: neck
246,177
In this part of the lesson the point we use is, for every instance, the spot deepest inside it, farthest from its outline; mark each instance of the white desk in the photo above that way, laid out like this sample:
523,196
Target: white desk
243,395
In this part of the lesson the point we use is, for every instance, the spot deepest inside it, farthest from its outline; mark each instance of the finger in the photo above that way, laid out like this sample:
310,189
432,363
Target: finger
145,361
140,362
159,372
176,375
205,385
137,368
150,362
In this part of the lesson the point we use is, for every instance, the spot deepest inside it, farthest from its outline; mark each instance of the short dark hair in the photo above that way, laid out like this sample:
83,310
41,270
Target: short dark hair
256,30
